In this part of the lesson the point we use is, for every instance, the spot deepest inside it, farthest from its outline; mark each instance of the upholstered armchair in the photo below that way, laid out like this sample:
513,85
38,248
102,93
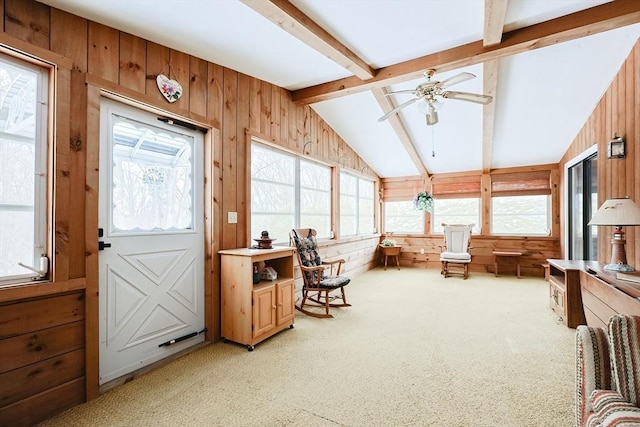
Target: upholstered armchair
608,373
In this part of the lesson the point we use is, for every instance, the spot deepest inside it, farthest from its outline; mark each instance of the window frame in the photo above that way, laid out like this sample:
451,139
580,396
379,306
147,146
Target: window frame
297,213
43,168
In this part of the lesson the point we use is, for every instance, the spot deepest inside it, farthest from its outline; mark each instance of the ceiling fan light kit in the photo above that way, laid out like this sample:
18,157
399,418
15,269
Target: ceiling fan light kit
432,92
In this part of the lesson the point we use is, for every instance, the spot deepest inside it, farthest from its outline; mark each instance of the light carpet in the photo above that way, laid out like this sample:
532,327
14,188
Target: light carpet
414,350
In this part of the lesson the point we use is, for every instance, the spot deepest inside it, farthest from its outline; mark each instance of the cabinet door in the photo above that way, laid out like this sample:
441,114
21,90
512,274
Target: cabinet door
286,307
264,310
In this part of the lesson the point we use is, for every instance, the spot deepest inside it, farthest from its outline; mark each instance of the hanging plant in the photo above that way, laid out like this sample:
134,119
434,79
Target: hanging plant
423,202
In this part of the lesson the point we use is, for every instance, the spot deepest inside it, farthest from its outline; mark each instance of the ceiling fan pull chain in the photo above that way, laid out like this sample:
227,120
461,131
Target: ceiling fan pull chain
433,141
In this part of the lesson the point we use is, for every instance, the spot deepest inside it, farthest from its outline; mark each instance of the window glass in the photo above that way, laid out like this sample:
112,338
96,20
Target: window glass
528,215
455,211
23,168
401,217
356,205
288,192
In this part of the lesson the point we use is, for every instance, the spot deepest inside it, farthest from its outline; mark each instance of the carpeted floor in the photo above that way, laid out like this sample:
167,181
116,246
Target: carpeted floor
414,350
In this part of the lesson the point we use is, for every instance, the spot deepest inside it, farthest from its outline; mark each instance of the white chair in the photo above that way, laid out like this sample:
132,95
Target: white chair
457,240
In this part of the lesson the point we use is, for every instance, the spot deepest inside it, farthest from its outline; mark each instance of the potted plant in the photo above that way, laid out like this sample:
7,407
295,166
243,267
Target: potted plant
388,243
423,201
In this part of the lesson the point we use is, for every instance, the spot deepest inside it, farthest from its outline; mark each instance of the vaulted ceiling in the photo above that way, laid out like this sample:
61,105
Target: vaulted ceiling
545,62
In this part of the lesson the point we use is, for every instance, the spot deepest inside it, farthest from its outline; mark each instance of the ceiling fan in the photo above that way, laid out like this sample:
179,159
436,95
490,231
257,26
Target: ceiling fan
432,92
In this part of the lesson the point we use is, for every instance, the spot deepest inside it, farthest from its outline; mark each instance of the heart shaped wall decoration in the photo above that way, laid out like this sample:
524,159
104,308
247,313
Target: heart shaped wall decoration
170,89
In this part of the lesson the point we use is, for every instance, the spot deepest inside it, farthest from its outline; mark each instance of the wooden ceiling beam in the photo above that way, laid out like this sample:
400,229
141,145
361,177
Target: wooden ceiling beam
495,12
400,130
292,20
590,21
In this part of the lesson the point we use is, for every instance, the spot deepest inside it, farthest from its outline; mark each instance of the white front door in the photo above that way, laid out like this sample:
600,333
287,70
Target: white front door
152,224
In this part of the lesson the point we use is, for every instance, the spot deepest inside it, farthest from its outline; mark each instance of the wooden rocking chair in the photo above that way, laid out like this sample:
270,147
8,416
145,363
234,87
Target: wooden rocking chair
318,285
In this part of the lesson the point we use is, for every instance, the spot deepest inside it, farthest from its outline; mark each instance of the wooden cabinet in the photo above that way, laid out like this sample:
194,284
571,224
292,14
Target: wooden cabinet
253,312
564,290
603,296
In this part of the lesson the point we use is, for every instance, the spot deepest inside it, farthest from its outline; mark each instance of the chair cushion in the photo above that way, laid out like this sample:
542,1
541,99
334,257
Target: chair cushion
624,340
593,370
610,409
455,256
334,282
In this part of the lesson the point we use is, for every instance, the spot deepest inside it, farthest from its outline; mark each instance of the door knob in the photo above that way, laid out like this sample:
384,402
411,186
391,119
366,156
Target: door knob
102,245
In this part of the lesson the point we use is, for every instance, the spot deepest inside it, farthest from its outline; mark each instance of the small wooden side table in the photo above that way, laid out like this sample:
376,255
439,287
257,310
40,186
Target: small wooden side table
498,254
390,251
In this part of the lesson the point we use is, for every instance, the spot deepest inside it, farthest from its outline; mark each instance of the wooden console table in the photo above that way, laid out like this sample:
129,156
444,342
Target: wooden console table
564,290
603,295
498,254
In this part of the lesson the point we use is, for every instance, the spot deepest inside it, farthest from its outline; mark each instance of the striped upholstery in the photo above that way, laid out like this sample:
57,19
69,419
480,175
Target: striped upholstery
612,410
593,370
624,339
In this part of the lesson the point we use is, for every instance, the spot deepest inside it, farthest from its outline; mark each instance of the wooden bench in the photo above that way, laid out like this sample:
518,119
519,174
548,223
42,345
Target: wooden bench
506,254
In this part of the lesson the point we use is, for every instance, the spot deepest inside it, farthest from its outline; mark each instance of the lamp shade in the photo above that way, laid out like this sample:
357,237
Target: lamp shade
617,212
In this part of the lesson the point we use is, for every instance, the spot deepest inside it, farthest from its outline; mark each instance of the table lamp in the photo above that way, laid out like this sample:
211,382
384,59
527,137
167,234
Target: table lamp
618,213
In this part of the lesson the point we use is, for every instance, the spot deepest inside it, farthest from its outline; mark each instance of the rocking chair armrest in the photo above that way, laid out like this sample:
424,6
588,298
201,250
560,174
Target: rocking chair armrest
311,269
335,261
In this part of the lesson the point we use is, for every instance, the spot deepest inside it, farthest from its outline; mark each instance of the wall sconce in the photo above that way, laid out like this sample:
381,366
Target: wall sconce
616,148
617,213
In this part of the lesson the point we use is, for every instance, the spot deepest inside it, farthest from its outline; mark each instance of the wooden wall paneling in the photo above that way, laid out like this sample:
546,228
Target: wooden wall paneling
103,52
37,408
485,202
42,313
2,14
157,63
63,173
243,168
133,62
555,203
213,187
284,119
178,70
91,241
265,109
292,119
230,158
63,27
198,76
633,74
275,115
32,379
28,21
215,97
255,87
36,346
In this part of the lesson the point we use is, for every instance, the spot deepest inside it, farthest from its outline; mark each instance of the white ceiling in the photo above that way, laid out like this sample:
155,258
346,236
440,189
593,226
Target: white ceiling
543,96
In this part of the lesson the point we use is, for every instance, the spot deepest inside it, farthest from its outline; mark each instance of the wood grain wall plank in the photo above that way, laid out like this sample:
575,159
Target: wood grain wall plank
254,104
63,27
243,157
28,21
198,86
133,62
230,158
157,63
103,52
178,70
265,109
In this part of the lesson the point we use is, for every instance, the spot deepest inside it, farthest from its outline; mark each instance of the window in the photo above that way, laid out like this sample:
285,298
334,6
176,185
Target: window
356,205
455,211
288,192
521,203
524,215
401,217
23,167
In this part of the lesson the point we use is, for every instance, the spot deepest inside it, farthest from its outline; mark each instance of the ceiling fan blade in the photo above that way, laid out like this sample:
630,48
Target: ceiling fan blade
411,91
466,96
398,108
458,78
